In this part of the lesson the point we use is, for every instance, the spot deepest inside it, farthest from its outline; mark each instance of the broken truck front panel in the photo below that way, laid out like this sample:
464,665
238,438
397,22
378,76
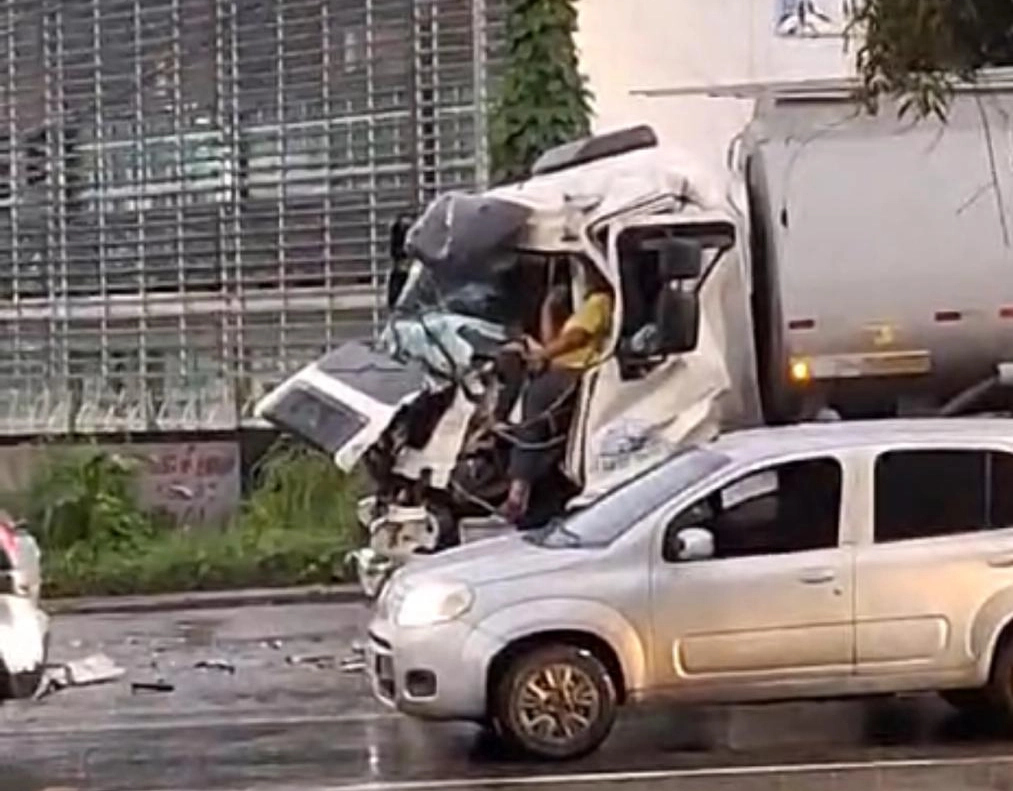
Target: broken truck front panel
344,402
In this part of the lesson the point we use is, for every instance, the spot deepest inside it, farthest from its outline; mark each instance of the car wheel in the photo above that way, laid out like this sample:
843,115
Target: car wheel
968,701
556,702
24,685
1000,684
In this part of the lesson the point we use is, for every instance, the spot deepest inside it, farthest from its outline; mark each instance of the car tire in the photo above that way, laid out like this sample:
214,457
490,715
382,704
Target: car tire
24,685
555,703
1000,683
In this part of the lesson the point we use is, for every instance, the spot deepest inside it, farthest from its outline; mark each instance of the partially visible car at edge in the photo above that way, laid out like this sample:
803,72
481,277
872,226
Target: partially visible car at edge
803,562
24,627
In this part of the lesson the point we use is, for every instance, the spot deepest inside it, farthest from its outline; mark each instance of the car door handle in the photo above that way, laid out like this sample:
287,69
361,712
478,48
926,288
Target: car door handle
1001,561
818,576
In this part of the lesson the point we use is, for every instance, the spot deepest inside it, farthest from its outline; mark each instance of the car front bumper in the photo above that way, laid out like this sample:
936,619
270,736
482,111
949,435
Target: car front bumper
436,673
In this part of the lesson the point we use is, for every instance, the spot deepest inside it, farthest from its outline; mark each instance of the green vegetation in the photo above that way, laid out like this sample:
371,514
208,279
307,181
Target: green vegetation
543,100
917,50
293,529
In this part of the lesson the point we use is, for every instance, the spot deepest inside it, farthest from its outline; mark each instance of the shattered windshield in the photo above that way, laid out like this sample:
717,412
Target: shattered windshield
483,293
463,248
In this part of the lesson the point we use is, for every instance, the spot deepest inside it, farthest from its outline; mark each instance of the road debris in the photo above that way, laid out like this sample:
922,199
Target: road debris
92,670
95,669
216,664
353,664
151,686
274,645
319,661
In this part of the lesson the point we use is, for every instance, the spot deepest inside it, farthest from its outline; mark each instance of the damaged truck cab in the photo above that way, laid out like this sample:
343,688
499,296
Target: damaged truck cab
843,267
422,409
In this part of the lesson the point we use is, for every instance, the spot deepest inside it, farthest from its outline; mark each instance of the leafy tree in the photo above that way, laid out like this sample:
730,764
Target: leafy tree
543,99
917,50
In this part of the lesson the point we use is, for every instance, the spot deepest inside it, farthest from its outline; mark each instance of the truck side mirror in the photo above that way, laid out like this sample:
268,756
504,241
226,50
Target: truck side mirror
678,320
680,259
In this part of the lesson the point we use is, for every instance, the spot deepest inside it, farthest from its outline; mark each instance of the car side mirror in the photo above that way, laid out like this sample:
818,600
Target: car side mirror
688,544
678,320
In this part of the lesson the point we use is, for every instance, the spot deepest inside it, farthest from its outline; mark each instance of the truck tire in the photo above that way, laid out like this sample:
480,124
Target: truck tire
555,702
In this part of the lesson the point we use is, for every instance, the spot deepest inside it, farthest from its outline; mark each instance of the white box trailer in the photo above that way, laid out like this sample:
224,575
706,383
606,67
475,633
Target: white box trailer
880,249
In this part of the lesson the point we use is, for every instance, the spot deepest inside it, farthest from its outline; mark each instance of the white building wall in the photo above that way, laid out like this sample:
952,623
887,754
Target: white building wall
628,45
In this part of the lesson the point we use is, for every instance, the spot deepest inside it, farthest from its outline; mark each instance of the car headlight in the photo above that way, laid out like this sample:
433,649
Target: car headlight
434,602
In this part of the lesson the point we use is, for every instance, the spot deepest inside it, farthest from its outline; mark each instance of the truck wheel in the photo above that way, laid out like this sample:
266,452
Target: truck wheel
556,702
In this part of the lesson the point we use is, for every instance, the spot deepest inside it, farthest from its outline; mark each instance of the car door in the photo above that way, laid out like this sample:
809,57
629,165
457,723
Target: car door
939,547
772,607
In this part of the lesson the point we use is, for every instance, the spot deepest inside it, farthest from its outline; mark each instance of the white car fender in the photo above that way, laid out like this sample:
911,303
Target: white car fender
536,616
994,616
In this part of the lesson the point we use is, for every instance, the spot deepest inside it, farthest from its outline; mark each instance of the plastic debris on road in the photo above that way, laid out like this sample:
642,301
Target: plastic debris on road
151,686
95,669
318,661
216,664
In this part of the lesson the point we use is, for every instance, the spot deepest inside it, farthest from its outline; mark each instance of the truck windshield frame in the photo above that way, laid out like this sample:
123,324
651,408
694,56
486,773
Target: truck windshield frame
490,292
484,293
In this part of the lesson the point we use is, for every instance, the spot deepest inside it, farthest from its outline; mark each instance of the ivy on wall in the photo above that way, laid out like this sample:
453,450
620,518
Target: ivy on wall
543,99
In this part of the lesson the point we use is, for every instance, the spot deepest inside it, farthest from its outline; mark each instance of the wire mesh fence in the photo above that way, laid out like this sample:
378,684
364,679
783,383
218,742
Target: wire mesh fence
195,194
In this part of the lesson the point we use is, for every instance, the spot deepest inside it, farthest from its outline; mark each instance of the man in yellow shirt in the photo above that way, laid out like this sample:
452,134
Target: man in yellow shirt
557,364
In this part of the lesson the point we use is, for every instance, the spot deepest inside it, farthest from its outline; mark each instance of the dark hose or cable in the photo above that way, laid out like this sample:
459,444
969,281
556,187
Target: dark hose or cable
958,403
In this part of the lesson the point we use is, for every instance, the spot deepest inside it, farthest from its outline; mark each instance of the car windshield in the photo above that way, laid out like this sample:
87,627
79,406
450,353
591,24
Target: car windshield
606,519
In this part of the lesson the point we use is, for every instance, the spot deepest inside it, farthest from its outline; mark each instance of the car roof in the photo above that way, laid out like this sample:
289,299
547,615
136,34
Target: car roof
845,434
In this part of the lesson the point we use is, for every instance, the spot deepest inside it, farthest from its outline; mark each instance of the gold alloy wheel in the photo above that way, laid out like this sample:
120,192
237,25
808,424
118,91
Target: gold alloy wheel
557,703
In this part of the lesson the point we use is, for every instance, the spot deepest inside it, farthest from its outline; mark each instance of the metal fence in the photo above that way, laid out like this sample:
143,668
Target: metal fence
195,194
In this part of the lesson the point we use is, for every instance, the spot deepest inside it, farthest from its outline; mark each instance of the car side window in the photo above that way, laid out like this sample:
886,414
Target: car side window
938,493
792,507
1001,490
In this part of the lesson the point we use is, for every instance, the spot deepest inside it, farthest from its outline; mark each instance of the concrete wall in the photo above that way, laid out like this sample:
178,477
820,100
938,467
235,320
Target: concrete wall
198,482
637,44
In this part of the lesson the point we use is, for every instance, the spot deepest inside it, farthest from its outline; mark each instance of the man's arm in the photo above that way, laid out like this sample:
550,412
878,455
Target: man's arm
589,321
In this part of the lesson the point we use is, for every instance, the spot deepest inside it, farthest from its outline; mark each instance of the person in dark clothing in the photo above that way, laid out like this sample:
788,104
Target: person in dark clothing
399,260
568,347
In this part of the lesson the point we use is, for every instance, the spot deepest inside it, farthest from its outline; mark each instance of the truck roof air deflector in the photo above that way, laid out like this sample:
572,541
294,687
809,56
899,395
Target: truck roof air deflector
590,149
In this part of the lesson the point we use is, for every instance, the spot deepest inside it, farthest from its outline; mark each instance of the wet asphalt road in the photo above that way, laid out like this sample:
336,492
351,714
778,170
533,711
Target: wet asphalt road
275,724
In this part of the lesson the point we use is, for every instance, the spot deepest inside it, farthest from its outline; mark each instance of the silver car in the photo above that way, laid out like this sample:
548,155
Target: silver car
24,627
812,561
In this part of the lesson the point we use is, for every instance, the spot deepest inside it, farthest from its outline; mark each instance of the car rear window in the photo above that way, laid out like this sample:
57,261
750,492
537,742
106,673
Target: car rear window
935,493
